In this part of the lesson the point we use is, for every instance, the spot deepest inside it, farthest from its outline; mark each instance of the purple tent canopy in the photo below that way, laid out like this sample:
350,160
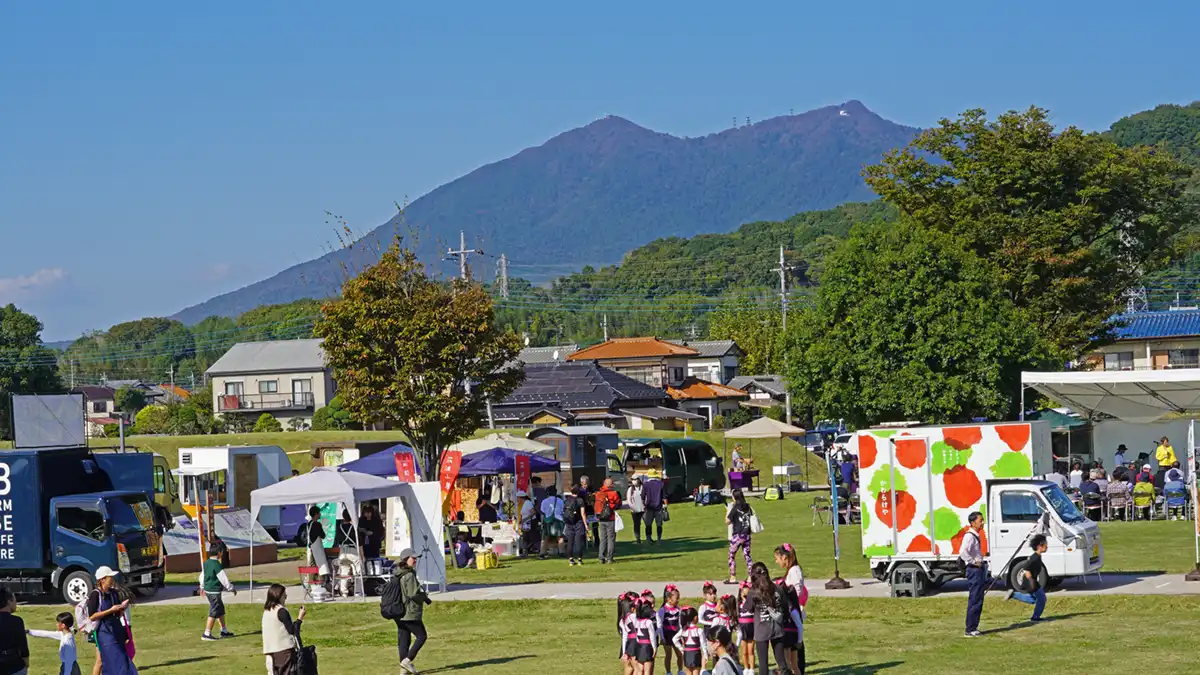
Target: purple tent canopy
503,461
383,463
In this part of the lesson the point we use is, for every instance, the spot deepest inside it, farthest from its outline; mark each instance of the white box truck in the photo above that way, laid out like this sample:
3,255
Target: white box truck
229,473
917,486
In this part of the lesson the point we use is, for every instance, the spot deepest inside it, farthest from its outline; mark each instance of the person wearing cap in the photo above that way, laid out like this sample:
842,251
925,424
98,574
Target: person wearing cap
1145,476
410,626
106,610
1119,457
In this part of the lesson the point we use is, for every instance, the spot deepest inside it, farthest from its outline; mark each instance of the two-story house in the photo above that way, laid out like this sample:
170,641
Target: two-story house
287,378
100,408
1151,341
648,360
717,361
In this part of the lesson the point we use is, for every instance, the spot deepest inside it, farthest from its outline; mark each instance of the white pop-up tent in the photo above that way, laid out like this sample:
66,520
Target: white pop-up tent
765,427
506,441
321,485
1137,396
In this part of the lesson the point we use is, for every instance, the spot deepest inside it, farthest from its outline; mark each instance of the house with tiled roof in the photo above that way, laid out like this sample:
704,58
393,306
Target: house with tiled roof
586,393
763,391
707,399
717,360
287,378
1158,340
649,360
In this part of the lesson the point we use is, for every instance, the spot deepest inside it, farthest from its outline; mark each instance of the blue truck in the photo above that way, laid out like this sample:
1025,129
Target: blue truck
65,512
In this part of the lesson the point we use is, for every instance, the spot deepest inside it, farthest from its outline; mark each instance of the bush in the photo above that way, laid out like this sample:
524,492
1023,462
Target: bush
151,420
266,424
718,422
112,430
775,412
333,417
739,417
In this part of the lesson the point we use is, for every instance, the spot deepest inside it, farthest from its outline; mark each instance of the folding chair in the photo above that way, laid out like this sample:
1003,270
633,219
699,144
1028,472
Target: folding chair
306,575
821,508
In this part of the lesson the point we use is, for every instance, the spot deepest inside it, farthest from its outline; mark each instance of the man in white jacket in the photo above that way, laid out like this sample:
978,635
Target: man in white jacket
633,497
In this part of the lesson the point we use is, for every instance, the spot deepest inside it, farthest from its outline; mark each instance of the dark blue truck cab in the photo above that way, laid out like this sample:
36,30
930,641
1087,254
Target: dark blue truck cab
61,517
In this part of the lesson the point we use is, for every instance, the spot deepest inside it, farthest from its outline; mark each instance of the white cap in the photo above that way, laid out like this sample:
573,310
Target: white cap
104,572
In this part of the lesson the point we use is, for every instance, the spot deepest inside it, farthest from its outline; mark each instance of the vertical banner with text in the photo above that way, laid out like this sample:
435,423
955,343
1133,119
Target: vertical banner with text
406,467
521,469
448,472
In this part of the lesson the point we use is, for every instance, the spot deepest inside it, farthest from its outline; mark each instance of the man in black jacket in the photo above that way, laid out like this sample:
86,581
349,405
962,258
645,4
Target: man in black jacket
1031,592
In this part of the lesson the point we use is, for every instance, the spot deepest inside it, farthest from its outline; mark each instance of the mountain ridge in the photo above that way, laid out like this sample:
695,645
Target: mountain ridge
590,194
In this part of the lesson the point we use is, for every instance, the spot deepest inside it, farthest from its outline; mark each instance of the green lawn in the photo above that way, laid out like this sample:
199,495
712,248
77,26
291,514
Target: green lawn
695,548
843,637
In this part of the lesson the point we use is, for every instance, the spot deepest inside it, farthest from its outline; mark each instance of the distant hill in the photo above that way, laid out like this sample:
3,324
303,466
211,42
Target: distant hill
1174,127
591,194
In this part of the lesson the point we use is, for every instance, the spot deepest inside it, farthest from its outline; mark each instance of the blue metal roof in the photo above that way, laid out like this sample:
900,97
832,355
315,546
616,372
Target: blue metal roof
1157,325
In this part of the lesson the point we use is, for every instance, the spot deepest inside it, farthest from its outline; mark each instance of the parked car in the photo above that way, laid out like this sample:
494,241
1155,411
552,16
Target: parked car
685,463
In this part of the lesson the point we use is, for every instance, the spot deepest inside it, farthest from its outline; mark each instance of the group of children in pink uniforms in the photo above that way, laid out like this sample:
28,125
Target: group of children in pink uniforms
683,634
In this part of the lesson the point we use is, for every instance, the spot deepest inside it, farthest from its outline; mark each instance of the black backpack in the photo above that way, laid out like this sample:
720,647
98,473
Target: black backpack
391,601
571,506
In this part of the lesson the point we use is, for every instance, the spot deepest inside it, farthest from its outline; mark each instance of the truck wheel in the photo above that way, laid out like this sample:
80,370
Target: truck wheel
1018,571
76,587
146,591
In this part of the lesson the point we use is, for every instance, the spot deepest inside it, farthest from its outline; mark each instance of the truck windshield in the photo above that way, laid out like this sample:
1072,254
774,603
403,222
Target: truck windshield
1062,504
130,514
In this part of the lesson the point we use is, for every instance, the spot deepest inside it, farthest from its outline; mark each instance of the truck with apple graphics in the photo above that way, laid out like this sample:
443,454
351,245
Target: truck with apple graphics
917,486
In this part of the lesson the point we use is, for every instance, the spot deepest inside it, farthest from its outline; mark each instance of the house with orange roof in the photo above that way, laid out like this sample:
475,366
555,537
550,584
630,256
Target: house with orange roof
649,360
707,399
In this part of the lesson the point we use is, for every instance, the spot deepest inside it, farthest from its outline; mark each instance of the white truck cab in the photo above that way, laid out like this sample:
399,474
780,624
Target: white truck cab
1018,509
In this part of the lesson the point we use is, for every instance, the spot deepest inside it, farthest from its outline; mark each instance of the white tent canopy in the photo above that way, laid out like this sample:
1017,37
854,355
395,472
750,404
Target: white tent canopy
502,440
324,484
1140,396
764,427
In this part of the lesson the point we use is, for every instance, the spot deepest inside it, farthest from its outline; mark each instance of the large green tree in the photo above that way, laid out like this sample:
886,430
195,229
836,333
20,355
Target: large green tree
756,330
421,355
909,324
26,366
1070,220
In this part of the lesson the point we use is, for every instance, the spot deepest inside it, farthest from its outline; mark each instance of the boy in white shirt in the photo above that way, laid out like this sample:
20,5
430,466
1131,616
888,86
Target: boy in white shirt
66,642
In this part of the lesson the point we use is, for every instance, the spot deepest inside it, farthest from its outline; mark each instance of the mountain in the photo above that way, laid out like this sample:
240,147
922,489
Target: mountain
1174,127
591,194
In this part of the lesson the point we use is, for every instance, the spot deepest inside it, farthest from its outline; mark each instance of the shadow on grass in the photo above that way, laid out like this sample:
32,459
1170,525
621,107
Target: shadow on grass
176,662
853,668
1031,624
498,661
669,545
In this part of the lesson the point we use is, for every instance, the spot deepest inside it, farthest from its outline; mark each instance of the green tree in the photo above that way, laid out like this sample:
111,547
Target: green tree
424,356
333,417
909,324
775,412
757,331
130,400
1070,220
267,423
26,366
153,419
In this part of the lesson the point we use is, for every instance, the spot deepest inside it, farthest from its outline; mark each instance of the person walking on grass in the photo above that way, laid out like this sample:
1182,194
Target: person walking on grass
971,554
408,610
575,526
1031,592
655,499
589,500
738,519
633,497
280,632
64,634
607,503
552,523
214,581
106,610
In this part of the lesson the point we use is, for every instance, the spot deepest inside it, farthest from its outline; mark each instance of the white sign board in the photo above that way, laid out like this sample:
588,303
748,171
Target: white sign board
49,421
415,521
231,527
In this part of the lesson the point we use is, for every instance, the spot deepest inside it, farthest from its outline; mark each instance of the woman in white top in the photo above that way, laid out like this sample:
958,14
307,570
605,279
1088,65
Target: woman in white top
315,534
279,631
1076,477
633,497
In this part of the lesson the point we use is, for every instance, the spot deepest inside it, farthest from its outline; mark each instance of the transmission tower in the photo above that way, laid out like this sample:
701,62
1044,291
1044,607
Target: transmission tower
502,276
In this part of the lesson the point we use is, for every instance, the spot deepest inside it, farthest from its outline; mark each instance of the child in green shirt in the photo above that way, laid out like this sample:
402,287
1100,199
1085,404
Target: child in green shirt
213,581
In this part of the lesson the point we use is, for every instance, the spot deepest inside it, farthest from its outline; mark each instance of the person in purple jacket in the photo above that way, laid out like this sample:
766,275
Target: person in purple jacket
654,500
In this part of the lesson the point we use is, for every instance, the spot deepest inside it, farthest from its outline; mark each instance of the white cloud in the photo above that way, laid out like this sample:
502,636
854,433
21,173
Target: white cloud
216,272
11,288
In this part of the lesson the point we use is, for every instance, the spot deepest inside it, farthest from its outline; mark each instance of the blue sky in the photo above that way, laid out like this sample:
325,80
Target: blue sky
155,154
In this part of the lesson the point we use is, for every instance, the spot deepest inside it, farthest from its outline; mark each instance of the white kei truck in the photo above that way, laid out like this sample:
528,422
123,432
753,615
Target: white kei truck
917,486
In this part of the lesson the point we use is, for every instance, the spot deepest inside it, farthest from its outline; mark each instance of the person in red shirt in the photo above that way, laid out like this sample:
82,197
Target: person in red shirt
607,503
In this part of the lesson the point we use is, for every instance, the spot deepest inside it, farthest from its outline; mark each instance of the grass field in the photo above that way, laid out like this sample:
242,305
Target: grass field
843,637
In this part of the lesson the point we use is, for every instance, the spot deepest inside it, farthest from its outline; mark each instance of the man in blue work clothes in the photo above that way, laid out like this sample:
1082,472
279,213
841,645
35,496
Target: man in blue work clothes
971,553
654,501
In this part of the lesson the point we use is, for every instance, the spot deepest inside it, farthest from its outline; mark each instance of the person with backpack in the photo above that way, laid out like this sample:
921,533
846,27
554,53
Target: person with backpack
404,602
770,605
552,523
106,611
575,526
607,503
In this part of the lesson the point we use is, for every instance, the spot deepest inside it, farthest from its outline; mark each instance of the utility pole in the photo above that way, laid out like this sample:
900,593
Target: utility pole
171,372
463,253
783,300
604,325
502,276
72,373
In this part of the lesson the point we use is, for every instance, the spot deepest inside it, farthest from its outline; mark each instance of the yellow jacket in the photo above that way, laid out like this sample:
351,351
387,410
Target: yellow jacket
1165,455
